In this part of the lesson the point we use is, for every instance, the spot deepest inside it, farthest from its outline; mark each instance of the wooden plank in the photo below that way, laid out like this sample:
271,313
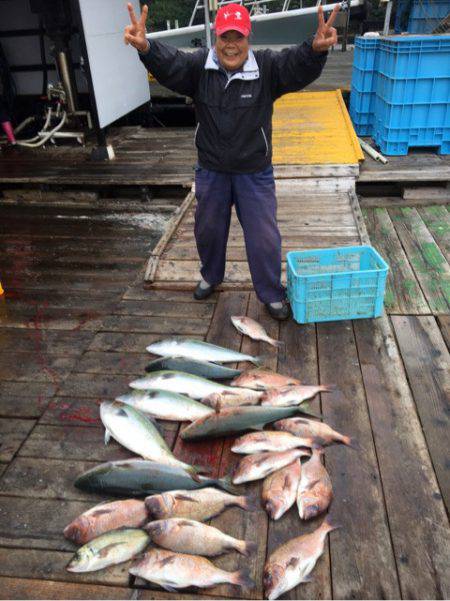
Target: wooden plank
13,432
152,308
38,524
424,167
138,293
52,319
306,171
46,479
300,361
27,588
444,324
403,293
29,367
120,363
51,565
32,390
409,483
249,526
427,364
427,261
23,406
429,192
119,342
61,344
437,221
367,570
388,202
155,325
95,386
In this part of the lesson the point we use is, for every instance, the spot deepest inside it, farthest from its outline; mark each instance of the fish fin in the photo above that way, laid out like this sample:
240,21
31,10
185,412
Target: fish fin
226,484
331,523
193,473
258,427
249,549
248,503
351,442
259,360
304,408
242,578
328,388
168,586
311,485
107,436
182,497
308,579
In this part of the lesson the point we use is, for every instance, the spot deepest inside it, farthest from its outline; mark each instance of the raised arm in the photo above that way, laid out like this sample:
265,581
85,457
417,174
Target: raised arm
296,67
178,71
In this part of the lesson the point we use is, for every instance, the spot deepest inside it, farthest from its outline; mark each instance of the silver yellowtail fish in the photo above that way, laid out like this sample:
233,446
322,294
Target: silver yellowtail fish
260,465
163,404
139,478
291,564
200,505
109,549
237,419
204,369
251,328
130,513
188,536
197,349
180,382
173,571
138,434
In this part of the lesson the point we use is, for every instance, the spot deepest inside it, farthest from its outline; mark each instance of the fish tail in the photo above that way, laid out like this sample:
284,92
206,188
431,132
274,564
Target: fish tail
194,473
350,442
248,503
226,484
304,408
247,548
277,343
328,388
330,523
242,578
259,360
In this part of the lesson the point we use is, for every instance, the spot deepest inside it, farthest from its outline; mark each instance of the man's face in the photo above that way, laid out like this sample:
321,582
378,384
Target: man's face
232,50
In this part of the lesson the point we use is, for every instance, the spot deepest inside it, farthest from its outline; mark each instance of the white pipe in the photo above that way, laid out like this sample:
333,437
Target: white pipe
46,136
372,152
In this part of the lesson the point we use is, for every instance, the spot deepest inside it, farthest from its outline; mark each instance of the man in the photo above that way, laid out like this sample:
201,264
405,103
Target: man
234,90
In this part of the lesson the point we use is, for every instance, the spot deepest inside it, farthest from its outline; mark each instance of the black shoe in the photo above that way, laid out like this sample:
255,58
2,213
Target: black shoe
279,314
201,293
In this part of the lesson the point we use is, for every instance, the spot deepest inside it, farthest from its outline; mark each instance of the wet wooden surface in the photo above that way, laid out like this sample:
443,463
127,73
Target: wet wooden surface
391,493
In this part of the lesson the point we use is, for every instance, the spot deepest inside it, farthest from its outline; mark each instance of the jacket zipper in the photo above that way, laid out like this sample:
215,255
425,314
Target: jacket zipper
196,132
265,140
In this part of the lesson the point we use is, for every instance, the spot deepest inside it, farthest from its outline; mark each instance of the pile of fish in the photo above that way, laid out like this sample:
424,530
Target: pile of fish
185,384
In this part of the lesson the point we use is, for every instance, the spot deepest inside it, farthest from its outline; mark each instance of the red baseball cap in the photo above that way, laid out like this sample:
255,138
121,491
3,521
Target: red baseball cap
233,17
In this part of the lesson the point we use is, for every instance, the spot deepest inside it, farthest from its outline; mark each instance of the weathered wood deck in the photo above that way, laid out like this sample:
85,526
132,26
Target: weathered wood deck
74,325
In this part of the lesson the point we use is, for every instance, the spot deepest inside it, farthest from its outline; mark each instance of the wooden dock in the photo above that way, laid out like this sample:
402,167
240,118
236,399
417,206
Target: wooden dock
75,322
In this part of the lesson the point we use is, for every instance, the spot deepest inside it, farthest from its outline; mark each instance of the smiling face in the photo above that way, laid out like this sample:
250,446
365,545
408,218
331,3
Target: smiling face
232,50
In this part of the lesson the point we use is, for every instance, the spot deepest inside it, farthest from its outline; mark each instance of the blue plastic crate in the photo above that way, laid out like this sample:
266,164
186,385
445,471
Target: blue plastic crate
364,74
335,284
426,15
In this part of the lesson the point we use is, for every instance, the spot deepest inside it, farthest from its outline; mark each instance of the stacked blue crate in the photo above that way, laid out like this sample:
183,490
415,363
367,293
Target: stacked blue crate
412,104
426,15
364,76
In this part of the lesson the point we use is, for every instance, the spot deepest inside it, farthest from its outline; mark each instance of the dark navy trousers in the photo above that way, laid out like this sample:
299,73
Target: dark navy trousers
253,195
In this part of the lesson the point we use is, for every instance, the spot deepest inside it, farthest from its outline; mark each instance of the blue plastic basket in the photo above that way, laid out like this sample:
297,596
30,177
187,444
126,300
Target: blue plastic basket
336,283
364,76
426,15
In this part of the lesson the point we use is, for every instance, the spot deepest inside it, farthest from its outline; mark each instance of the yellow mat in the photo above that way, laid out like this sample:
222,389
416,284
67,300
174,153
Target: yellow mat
314,128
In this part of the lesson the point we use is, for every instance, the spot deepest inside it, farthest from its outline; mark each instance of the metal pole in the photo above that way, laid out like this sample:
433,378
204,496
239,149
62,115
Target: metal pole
387,19
207,24
347,23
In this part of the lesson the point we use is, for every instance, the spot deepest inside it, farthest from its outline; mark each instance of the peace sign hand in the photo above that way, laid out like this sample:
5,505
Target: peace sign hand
326,35
135,33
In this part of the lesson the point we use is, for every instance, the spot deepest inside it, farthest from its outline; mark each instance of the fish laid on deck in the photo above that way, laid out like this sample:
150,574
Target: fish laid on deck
109,549
232,398
291,564
181,383
315,491
279,491
138,434
293,395
130,513
178,570
204,369
239,419
322,434
196,349
268,441
166,405
140,478
254,330
189,536
263,379
200,505
260,465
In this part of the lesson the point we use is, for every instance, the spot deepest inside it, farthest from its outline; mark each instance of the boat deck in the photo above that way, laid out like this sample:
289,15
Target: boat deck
75,323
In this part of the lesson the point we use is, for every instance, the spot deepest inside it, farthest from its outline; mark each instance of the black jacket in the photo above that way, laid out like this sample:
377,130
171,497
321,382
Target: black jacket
234,130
